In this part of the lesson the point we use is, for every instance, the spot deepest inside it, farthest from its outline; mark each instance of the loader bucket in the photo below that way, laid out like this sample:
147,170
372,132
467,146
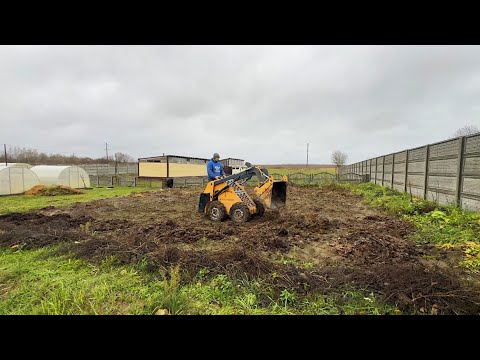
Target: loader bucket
279,194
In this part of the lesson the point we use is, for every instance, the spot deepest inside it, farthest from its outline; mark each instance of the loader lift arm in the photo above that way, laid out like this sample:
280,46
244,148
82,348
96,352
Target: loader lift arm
245,175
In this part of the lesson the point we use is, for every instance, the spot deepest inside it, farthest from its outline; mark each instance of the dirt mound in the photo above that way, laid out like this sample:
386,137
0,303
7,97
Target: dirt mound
364,247
34,230
36,190
41,190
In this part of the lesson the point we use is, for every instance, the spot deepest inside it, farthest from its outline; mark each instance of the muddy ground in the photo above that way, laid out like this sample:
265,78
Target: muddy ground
324,240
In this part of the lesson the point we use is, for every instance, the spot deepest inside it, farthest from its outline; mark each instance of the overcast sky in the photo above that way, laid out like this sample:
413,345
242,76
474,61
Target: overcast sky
259,103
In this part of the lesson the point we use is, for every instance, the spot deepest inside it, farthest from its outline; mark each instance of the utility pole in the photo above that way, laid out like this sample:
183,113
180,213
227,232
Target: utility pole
5,148
307,154
106,150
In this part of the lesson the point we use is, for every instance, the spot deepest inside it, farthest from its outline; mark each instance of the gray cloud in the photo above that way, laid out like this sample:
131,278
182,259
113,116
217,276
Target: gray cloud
261,103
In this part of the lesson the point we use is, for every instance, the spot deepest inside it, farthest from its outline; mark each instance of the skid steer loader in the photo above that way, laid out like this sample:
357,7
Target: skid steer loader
227,196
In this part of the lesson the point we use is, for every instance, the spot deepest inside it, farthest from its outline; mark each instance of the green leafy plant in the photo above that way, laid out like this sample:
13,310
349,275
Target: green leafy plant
173,299
287,297
202,274
472,257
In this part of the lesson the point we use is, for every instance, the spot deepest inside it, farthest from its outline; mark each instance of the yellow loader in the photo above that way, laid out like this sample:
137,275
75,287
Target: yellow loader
227,196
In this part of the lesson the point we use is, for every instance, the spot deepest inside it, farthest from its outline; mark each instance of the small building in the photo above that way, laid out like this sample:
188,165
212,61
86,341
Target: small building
233,166
72,176
171,166
16,179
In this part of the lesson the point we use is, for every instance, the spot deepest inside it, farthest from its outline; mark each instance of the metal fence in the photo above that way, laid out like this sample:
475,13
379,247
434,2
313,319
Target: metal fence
109,169
111,180
447,172
105,169
297,178
321,178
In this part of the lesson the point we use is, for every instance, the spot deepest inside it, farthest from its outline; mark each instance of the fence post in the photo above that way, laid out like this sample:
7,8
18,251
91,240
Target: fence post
376,164
370,169
98,179
425,184
383,170
406,172
393,168
461,151
135,181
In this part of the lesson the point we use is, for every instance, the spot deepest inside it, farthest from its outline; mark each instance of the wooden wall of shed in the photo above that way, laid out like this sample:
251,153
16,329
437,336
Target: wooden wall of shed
152,169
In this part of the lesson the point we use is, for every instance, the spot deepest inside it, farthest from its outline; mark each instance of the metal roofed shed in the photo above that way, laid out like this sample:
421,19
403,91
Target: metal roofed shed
16,180
171,166
72,176
232,162
233,166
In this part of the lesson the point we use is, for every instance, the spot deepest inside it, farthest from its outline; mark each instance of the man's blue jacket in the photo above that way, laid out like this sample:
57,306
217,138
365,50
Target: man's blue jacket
214,168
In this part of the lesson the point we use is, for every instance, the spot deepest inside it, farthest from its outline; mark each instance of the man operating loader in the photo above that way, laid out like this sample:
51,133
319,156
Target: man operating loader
227,196
215,168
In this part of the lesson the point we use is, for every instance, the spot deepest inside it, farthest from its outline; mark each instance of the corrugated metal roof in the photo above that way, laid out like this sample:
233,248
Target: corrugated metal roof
177,156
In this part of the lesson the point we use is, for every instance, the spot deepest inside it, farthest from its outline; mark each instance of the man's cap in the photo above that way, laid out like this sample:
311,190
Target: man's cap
216,156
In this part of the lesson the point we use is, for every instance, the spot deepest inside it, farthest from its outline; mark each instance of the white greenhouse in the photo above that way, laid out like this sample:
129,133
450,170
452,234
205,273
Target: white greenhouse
28,166
16,180
72,176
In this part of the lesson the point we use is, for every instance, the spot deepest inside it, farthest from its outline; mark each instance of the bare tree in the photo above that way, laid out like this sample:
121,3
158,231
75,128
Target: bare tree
466,130
339,158
124,158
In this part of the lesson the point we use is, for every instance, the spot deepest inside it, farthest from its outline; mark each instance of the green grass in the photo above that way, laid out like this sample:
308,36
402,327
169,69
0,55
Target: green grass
41,282
444,226
25,203
34,282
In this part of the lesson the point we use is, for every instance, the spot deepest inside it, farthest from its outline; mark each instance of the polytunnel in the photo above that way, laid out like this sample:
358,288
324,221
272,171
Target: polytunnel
16,180
28,166
72,176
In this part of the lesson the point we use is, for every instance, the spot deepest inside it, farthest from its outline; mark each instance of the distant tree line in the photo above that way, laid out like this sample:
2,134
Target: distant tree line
32,156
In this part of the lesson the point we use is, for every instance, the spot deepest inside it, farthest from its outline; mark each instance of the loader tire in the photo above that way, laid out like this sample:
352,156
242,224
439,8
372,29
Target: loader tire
216,211
240,213
260,207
